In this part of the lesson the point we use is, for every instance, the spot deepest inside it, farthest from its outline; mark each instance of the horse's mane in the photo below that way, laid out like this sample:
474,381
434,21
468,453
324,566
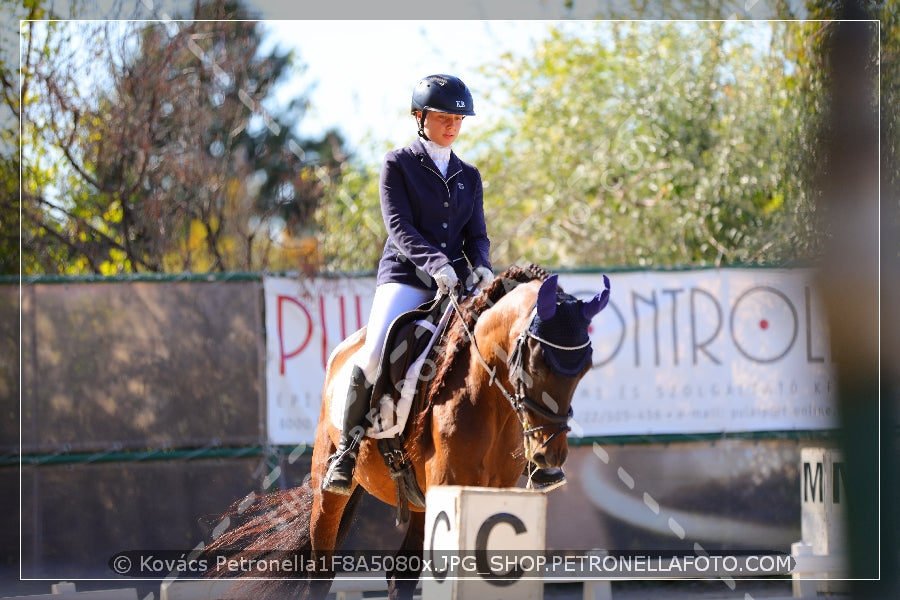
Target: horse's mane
456,340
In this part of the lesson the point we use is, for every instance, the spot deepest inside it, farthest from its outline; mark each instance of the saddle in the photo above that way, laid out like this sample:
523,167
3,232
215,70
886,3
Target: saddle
410,336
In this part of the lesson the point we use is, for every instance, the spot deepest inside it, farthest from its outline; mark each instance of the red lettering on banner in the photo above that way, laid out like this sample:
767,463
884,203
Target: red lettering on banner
324,331
315,322
283,356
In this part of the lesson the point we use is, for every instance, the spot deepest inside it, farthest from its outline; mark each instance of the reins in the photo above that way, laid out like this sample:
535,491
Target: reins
493,371
520,402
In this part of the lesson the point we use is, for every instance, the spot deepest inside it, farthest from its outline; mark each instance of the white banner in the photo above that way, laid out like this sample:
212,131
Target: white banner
305,320
707,351
674,352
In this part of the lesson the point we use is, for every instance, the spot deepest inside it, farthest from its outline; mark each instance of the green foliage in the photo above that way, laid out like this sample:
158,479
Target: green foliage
609,157
888,13
352,232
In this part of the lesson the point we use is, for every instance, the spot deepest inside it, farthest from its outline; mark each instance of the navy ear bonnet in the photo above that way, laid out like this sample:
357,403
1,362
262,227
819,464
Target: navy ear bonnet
561,324
567,328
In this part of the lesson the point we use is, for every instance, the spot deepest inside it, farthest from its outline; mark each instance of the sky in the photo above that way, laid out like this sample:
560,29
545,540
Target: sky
360,74
364,59
363,73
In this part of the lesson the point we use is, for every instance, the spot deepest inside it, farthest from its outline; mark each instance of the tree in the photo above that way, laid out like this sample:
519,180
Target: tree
171,160
806,47
884,61
351,232
683,159
10,112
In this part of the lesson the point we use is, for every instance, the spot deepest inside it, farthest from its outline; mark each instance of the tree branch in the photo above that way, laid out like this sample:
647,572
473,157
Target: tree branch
109,241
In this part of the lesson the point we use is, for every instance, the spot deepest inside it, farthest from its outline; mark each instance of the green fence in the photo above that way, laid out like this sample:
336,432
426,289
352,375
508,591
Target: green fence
134,415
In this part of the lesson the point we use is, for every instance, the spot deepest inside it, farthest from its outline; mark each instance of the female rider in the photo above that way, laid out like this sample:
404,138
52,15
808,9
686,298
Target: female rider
432,206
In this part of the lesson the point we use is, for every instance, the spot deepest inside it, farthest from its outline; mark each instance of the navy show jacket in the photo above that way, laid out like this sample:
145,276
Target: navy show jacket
430,219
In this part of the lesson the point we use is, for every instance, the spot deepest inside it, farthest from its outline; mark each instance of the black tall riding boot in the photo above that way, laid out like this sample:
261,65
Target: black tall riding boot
339,477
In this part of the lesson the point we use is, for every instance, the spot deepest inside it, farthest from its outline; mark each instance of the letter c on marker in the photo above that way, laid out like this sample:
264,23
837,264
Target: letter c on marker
481,561
442,516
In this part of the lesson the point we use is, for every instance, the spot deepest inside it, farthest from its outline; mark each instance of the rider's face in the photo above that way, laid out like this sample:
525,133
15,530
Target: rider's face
441,128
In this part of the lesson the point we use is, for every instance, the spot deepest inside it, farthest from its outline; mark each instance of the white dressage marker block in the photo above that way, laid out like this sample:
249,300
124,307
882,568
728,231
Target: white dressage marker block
822,517
484,543
822,499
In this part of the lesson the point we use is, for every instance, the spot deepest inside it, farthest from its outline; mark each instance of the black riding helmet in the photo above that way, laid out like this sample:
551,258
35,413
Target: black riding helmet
441,93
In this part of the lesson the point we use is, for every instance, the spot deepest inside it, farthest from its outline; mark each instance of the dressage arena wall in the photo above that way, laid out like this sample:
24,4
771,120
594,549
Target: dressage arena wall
144,416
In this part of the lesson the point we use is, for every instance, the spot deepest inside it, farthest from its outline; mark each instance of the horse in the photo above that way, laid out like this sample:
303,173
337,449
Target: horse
500,397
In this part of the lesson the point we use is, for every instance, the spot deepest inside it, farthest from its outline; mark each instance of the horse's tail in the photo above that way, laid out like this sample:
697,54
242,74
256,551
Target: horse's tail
265,537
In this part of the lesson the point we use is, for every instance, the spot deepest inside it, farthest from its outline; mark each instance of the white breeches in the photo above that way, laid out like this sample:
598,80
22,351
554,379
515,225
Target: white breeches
391,300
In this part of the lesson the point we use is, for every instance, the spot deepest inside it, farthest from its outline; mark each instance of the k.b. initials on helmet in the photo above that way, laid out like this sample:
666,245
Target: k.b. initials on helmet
442,93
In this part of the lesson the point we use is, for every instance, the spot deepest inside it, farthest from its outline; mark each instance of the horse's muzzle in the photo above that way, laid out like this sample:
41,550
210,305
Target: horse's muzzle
551,456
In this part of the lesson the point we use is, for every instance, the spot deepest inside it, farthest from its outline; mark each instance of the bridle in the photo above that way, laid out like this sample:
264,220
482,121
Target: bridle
523,405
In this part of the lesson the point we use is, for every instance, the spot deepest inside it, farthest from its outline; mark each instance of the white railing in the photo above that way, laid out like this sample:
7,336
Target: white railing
343,588
67,589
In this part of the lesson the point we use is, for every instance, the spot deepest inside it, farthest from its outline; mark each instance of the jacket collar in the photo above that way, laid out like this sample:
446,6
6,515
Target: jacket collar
418,149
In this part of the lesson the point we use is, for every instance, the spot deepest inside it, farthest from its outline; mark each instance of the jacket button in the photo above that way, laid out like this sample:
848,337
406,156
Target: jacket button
444,225
446,204
443,244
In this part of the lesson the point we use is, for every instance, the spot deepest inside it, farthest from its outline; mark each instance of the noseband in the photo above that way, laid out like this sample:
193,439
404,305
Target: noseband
520,402
520,377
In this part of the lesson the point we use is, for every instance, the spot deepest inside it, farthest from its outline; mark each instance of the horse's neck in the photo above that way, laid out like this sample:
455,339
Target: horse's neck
457,354
498,328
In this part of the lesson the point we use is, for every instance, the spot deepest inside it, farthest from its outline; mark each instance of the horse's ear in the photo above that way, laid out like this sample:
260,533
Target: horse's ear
597,303
546,300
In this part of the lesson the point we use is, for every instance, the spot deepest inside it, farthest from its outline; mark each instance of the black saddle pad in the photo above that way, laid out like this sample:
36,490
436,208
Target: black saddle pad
405,341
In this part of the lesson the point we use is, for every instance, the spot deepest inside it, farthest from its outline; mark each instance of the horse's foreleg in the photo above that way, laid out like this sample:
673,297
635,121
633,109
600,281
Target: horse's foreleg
402,581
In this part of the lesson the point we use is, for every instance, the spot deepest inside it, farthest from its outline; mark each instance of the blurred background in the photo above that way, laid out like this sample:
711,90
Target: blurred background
158,159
